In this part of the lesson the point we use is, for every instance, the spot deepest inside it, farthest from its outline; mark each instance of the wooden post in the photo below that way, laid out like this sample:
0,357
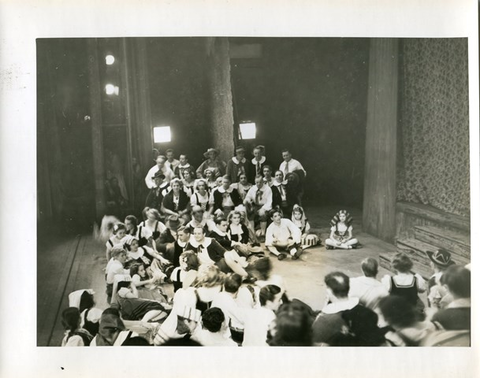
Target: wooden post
97,123
381,140
221,99
142,93
128,119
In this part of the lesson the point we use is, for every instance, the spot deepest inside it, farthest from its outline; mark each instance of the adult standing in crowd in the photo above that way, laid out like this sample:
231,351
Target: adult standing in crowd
159,167
290,166
258,203
258,162
213,163
237,165
171,162
156,194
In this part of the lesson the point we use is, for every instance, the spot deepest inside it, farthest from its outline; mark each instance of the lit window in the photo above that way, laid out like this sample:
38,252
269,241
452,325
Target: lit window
162,134
111,89
109,59
248,130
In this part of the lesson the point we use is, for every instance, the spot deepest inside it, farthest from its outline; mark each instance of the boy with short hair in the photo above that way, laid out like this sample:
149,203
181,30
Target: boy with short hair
283,235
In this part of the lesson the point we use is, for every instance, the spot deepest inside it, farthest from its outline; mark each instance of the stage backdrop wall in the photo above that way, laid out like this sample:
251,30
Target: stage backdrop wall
179,93
309,95
433,162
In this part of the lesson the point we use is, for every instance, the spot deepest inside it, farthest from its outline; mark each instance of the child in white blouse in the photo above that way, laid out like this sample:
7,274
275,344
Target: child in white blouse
119,237
283,235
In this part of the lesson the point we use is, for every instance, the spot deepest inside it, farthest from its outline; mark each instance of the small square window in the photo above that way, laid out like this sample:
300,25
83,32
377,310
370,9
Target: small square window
248,130
162,134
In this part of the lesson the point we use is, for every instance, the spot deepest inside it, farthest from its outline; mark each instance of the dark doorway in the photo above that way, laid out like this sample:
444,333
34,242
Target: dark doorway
308,95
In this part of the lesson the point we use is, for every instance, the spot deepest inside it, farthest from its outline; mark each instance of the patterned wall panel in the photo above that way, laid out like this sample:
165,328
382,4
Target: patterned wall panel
433,166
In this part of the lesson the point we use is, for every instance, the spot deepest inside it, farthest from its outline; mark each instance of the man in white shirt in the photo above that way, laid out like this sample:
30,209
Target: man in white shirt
283,235
171,162
290,165
258,321
367,288
258,202
160,166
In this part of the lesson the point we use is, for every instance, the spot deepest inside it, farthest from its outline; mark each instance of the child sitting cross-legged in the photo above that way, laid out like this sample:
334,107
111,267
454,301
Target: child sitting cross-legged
341,232
283,236
300,220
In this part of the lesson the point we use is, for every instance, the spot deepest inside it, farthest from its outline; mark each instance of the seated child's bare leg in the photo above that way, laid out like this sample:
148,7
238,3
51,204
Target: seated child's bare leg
351,242
331,243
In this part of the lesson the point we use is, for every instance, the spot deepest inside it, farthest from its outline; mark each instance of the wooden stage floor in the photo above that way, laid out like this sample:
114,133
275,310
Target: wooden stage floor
69,263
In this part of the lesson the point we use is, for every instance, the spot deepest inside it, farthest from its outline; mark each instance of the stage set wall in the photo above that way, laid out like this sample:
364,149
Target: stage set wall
433,186
417,146
85,136
308,95
65,176
374,122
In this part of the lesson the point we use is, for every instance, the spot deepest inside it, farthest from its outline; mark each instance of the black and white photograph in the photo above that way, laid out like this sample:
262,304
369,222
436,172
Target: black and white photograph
307,191
293,196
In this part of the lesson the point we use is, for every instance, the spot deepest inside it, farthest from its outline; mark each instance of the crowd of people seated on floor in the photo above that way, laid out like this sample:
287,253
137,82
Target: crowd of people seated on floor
212,308
197,271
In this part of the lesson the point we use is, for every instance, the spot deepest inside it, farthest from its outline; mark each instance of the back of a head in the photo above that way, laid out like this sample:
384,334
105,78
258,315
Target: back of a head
402,263
110,324
208,276
397,311
116,251
338,283
293,327
370,267
212,319
111,311
70,318
457,279
268,293
191,260
132,218
232,283
263,267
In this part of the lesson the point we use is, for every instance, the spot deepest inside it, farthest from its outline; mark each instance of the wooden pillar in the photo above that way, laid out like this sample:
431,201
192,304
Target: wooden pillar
221,98
381,140
139,118
97,133
126,73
